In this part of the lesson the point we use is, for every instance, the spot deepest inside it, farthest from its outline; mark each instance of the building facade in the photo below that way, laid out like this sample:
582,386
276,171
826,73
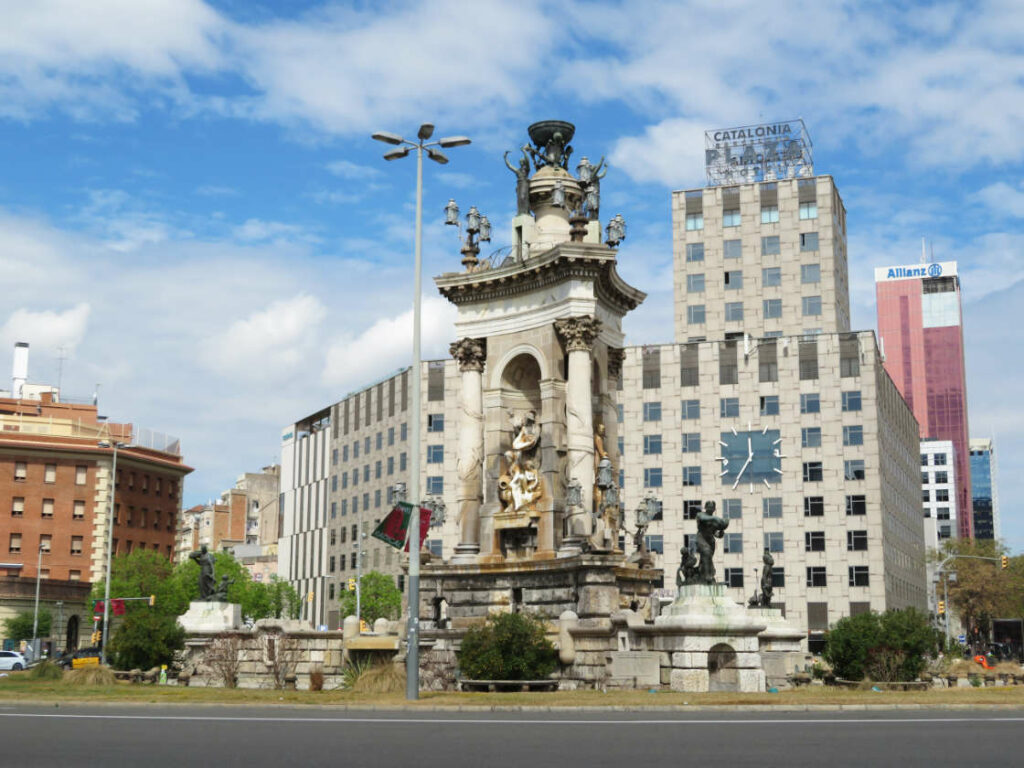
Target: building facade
920,325
984,499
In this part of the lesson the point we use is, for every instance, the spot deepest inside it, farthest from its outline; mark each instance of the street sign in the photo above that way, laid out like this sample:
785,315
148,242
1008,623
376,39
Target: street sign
961,638
85,661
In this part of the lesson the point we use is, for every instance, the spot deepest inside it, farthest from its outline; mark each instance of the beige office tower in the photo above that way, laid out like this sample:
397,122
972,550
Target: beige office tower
770,406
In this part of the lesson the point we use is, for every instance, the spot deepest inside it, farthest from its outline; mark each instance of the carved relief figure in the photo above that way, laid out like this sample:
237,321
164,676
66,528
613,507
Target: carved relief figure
520,485
709,528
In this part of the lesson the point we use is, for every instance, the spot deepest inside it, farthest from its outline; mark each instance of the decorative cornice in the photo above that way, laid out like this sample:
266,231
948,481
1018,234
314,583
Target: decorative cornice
470,353
564,261
579,332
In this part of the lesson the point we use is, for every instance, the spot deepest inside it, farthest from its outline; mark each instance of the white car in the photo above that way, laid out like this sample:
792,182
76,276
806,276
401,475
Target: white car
12,660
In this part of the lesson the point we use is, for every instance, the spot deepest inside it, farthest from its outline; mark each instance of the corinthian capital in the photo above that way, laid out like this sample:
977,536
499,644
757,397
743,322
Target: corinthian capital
579,332
615,358
470,353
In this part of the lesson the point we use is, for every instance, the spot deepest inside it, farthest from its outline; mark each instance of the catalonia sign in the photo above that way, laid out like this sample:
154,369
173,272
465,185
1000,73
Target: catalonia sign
758,153
915,271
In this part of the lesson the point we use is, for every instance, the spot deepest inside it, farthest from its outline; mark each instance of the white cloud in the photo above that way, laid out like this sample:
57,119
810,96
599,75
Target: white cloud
668,153
387,345
48,329
1003,199
349,170
268,341
257,229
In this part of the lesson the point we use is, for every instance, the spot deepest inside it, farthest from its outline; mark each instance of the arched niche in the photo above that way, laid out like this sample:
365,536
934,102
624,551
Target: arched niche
722,672
520,383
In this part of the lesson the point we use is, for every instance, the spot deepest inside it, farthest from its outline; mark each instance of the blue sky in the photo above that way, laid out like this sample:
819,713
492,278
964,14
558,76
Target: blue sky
191,207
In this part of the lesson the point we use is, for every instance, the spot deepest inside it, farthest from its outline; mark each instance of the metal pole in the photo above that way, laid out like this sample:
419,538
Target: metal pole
35,615
412,659
359,570
945,602
110,547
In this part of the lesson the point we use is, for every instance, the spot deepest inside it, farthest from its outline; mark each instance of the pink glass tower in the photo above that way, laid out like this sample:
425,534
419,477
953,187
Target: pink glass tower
921,329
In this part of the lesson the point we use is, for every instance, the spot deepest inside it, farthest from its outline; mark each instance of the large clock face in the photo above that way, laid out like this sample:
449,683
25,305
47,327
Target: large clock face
753,457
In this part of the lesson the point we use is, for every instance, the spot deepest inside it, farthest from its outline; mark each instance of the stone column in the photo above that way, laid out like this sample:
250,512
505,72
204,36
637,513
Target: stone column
470,354
579,334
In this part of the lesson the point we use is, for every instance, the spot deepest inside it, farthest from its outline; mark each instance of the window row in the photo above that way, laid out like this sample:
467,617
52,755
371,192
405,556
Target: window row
810,402
47,508
45,544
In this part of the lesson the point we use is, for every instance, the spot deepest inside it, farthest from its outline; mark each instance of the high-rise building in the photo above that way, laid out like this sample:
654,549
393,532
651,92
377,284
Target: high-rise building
984,501
920,324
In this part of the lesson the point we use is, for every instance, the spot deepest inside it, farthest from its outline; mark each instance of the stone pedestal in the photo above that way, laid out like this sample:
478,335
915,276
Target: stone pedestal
782,647
209,617
712,641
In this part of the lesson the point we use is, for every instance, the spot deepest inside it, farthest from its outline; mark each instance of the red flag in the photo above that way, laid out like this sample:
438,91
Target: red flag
424,528
99,607
394,529
117,607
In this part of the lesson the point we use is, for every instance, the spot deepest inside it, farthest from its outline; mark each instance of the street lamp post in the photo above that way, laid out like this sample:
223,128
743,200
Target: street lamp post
35,613
421,145
110,544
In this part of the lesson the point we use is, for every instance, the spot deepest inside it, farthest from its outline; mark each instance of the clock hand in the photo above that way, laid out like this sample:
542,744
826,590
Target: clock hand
740,474
750,447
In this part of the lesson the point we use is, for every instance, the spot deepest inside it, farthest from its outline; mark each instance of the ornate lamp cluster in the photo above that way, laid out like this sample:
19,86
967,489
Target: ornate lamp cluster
478,230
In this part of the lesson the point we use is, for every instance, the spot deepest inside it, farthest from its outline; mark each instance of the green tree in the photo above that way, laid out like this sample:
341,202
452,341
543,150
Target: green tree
19,627
983,590
510,646
142,573
892,646
145,639
378,598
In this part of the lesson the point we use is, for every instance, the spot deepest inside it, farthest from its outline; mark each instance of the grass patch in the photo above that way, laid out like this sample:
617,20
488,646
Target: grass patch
381,678
19,687
46,670
90,677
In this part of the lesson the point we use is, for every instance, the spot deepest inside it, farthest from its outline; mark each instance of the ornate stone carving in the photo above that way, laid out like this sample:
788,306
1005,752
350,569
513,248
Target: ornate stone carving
615,357
520,485
470,353
579,332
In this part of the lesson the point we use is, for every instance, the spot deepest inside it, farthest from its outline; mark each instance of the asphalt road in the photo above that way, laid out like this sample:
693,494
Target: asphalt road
215,736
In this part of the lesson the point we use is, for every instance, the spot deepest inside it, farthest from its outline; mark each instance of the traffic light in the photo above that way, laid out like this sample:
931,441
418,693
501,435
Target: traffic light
309,597
942,607
363,626
1004,562
352,585
152,600
96,637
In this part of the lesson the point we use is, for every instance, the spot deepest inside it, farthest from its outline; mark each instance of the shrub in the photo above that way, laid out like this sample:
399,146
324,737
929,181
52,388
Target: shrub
46,670
145,640
889,647
381,678
510,646
90,676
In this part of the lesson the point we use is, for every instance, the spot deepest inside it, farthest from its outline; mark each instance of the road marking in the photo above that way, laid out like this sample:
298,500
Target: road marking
510,721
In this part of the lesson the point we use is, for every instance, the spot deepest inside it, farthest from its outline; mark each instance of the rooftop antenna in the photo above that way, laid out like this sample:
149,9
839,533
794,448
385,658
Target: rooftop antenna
923,252
96,395
61,357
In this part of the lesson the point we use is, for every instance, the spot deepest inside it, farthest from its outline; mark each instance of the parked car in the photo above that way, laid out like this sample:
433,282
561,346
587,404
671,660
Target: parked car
67,660
12,660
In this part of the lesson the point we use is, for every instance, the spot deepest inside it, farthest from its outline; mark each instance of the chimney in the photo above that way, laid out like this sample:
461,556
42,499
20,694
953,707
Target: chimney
20,373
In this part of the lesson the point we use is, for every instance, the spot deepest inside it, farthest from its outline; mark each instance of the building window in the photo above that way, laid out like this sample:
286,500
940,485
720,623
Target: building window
771,506
76,545
770,405
808,241
391,465
941,477
691,508
15,543
435,454
812,472
810,273
729,407
770,214
620,413
814,506
651,368
771,276
652,411
810,437
18,506
695,314
773,541
734,577
853,469
851,400
652,477
334,482
942,513
366,444
435,485
849,367
808,211
81,473
694,222
814,541
942,494
333,565
853,435
859,576
944,532
402,462
772,309
694,251
811,306
20,470
778,577
47,507
376,498
732,249
733,543
770,245
655,543
733,311
366,473
731,217
50,473
857,541
691,476
355,449
690,409
733,279
939,459
810,402
690,442
816,576
652,445
856,505
732,509
695,283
